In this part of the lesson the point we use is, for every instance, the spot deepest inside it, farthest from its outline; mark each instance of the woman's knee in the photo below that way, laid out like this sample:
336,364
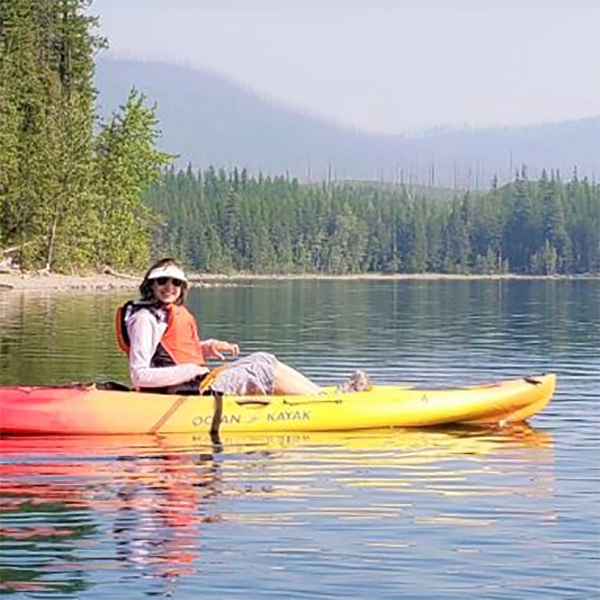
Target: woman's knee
266,357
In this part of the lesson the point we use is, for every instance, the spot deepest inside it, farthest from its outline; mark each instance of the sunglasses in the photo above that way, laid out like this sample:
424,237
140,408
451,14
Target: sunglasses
164,280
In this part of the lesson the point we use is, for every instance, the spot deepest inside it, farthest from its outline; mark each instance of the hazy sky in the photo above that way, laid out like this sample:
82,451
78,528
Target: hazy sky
391,66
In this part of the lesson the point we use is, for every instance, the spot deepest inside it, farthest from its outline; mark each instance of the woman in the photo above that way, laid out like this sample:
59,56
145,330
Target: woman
166,354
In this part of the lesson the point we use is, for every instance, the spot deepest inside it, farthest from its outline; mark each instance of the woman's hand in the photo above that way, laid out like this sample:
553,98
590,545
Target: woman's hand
218,347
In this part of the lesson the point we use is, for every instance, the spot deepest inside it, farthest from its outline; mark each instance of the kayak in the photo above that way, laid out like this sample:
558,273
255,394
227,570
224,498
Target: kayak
81,409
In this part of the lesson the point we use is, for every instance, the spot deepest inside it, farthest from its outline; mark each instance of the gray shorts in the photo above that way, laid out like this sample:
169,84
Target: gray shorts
252,375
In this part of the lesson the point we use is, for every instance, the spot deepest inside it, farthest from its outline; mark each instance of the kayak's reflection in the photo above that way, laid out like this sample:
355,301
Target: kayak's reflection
140,496
144,501
454,439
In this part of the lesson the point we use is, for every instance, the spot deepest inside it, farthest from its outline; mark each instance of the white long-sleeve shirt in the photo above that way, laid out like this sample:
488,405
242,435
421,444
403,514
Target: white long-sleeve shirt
145,331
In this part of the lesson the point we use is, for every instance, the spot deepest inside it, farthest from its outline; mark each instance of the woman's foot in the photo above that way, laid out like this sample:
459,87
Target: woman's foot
357,382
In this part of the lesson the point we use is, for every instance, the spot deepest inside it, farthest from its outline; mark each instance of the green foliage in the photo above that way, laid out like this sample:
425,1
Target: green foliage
46,102
67,200
70,199
125,162
218,221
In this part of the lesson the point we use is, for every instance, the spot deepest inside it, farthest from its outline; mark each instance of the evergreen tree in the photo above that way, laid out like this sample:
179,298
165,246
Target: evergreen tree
269,225
519,233
46,105
554,224
126,161
67,200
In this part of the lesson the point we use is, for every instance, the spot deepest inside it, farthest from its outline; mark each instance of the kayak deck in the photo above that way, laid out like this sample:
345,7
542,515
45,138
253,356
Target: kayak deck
88,410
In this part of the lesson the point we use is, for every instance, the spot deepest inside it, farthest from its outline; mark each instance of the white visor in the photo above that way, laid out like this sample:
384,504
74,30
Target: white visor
167,271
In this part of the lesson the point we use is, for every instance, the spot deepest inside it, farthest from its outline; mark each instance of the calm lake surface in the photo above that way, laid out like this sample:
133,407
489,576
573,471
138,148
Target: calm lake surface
448,513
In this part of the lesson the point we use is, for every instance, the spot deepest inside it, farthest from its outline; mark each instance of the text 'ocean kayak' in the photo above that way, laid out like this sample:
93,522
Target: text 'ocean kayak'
87,409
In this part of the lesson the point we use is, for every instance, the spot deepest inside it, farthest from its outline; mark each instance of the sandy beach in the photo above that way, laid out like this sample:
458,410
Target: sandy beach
57,282
16,281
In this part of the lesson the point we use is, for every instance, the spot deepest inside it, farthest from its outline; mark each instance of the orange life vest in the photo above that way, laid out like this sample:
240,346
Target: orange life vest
180,343
181,339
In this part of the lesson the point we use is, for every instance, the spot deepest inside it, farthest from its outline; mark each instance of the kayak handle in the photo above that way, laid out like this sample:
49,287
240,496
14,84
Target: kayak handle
249,401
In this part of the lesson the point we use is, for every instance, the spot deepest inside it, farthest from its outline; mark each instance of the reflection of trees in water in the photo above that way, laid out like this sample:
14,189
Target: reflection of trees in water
51,338
317,326
296,316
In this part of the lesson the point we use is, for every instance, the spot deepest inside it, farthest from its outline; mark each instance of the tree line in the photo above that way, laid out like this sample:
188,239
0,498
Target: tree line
70,185
77,193
229,221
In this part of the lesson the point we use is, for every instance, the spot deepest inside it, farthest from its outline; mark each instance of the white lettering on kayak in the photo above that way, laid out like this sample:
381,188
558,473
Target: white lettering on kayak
289,415
201,420
282,415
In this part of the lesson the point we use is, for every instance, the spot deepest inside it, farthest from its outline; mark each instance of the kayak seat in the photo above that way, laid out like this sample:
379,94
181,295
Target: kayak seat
114,386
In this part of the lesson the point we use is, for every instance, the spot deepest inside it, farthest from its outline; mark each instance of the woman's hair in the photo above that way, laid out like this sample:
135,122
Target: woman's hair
146,287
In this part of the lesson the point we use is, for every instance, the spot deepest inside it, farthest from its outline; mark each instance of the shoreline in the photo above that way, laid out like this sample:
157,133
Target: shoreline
53,282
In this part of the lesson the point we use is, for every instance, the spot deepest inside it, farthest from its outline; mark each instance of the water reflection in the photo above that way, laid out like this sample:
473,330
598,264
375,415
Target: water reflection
41,525
158,509
143,497
448,513
85,510
451,332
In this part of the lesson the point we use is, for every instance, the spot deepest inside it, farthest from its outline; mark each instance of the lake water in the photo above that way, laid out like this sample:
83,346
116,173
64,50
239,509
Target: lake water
448,513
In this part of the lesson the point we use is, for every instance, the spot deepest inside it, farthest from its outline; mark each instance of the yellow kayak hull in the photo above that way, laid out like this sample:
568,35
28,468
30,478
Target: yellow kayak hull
87,410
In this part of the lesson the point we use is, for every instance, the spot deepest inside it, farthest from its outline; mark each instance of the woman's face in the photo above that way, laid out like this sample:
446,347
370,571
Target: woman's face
166,289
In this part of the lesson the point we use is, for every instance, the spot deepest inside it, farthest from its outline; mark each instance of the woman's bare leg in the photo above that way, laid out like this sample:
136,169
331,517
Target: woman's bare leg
289,381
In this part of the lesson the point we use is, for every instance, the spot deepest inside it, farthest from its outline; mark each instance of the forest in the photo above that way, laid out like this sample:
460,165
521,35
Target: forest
70,185
79,194
229,221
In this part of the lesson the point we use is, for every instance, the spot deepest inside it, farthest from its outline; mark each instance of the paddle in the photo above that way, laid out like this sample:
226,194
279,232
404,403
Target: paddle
208,380
204,388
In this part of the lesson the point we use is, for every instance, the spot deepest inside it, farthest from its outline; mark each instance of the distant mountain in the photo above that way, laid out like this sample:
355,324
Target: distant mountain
206,119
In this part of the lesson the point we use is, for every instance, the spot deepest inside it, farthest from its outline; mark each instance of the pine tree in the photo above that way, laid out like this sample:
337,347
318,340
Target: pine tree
126,162
519,234
46,101
287,227
555,233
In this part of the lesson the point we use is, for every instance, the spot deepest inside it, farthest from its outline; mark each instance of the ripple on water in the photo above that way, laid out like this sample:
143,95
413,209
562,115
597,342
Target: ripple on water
444,513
